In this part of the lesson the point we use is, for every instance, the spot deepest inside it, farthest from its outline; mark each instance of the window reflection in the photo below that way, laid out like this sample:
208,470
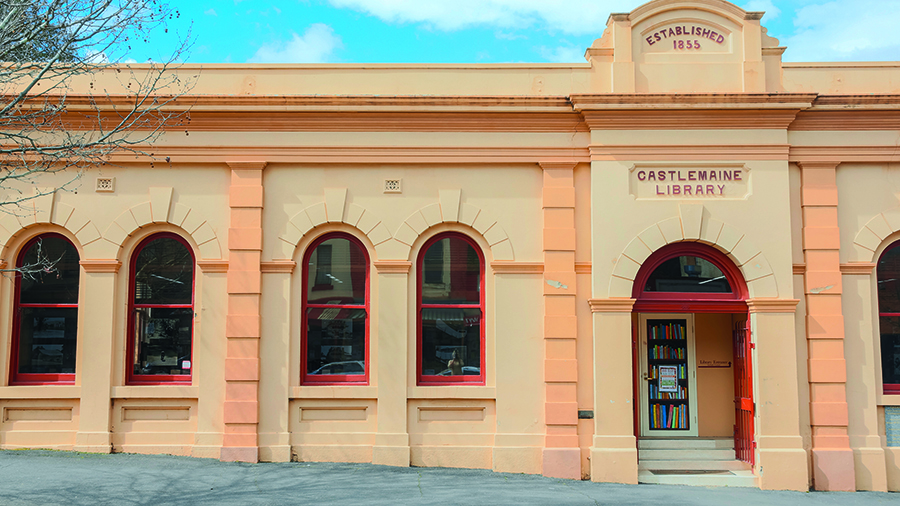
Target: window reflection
687,274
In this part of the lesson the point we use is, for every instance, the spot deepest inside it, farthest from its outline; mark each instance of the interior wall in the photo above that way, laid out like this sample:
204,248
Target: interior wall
715,374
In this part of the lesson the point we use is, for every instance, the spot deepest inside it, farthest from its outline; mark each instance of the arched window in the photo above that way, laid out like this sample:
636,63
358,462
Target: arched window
693,276
161,312
45,322
889,317
335,311
450,311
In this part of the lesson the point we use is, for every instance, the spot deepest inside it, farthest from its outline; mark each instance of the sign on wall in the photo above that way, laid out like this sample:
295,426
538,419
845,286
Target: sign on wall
689,182
685,36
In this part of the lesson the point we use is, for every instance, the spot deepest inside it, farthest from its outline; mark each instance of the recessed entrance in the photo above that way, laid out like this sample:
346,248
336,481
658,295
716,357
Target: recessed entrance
693,383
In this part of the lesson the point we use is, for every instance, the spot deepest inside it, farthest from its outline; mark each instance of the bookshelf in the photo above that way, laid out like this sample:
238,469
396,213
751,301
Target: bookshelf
667,366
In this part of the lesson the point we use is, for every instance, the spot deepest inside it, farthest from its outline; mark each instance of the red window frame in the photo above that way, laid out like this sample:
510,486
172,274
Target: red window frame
331,379
156,379
887,388
17,378
679,302
435,380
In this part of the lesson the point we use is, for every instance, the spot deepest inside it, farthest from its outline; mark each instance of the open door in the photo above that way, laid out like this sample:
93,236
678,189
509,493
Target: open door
744,407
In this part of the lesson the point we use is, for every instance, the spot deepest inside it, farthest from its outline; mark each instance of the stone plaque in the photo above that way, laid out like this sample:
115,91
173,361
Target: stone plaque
686,37
892,425
689,182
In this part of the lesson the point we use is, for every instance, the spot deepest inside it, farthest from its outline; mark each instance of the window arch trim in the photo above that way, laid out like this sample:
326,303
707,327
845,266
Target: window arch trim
157,379
17,378
435,380
333,379
690,301
887,388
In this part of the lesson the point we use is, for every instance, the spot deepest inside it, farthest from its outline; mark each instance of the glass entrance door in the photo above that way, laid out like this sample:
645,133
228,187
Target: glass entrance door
668,377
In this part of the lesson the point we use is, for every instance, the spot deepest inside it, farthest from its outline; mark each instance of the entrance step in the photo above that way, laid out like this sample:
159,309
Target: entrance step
686,443
699,478
706,462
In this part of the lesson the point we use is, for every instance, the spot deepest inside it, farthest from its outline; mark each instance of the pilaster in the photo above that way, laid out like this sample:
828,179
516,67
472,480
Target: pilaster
561,454
390,370
614,456
242,323
833,464
95,367
274,350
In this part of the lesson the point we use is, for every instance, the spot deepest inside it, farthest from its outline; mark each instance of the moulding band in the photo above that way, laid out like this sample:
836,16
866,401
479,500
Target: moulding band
772,305
278,266
517,267
582,267
252,165
100,265
799,268
392,267
213,265
569,165
612,305
858,268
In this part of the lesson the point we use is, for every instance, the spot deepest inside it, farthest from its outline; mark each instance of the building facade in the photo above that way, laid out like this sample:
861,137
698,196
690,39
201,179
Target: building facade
583,270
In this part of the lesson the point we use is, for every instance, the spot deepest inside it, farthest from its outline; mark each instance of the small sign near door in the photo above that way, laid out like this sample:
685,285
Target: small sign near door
668,378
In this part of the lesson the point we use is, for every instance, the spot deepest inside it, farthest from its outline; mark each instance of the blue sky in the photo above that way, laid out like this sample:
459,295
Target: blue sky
488,31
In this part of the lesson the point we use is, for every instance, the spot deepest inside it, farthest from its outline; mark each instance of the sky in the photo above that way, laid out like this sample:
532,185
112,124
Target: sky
486,31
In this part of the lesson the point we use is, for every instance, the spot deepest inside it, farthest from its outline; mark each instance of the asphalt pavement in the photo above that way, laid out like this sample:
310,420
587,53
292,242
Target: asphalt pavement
37,477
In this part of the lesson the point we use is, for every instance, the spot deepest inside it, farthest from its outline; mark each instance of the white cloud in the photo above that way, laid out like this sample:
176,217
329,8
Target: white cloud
831,31
569,16
211,12
771,11
316,45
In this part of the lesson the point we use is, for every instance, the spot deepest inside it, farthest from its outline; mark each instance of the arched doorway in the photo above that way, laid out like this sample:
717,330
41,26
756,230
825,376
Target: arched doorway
692,355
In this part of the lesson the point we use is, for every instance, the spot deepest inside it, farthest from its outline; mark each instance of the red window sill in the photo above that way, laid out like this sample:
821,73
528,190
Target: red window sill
150,380
437,381
892,389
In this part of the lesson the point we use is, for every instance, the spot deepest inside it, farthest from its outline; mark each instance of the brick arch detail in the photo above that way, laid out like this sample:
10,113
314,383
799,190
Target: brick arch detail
161,209
871,236
45,210
334,209
693,224
450,209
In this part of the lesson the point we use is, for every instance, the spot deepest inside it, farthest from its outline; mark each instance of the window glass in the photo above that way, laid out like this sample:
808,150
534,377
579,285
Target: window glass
46,316
687,274
889,282
52,278
164,273
451,271
890,349
451,342
162,310
451,312
336,273
336,327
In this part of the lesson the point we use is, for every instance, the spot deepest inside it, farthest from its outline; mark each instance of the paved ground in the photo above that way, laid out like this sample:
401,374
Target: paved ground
35,477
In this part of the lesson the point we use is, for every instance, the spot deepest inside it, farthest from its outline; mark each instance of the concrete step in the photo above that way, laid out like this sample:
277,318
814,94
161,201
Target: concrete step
687,454
721,465
689,443
729,479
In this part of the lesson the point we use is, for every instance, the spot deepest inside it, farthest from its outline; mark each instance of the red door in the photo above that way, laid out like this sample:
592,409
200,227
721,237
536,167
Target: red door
744,445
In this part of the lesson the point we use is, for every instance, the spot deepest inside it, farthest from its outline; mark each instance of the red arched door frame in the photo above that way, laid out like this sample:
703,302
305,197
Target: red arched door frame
685,302
681,302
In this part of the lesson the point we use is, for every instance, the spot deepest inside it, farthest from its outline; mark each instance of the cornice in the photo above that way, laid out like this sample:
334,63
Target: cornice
675,101
209,266
363,155
690,119
669,152
582,267
612,305
278,266
858,268
100,265
517,267
772,305
247,165
844,154
392,266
